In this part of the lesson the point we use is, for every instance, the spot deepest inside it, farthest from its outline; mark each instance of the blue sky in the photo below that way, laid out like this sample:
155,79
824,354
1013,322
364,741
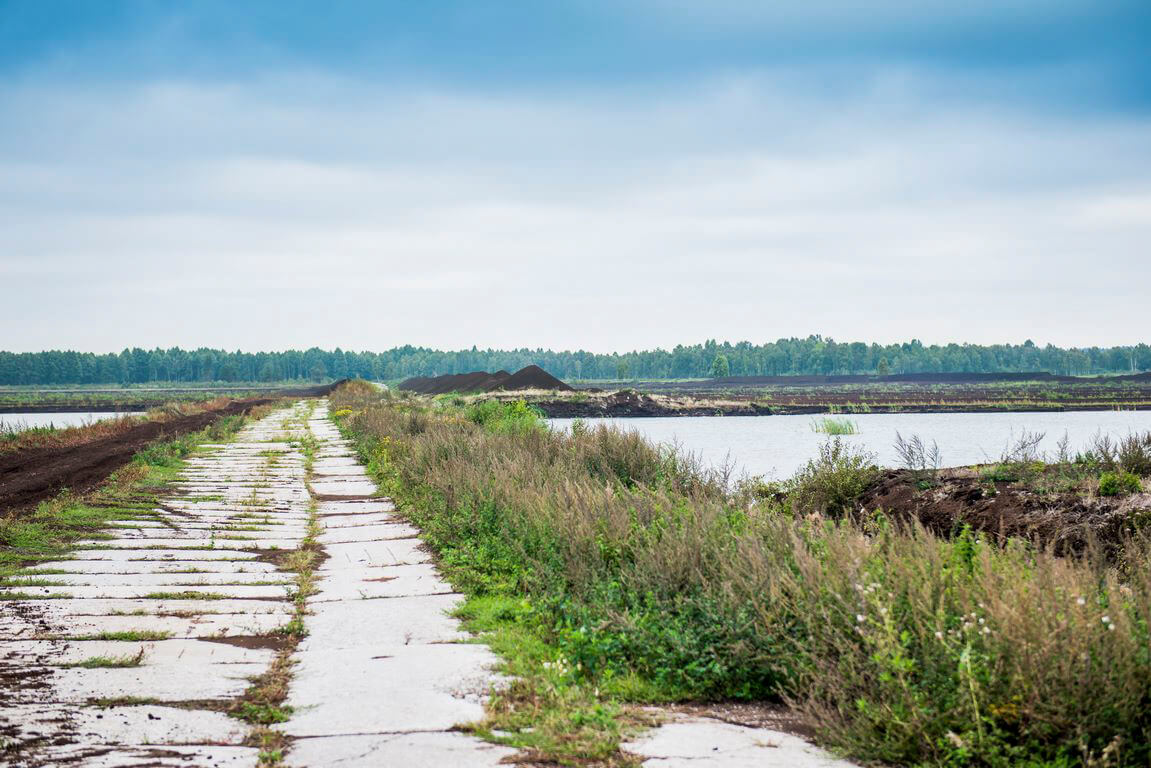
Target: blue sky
606,175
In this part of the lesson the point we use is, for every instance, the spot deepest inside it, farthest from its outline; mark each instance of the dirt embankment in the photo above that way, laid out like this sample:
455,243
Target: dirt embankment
629,403
31,476
1067,521
531,377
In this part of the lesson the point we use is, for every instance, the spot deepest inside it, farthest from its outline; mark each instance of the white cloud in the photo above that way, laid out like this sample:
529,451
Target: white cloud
316,211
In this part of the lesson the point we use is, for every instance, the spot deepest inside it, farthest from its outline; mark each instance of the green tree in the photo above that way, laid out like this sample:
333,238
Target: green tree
719,367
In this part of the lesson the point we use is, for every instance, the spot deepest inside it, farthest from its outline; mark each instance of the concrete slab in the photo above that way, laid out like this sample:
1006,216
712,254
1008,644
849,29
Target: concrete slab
367,553
236,592
409,750
383,582
376,532
326,508
164,682
166,567
708,743
401,621
146,756
160,554
350,488
62,652
224,625
332,522
153,580
62,611
388,689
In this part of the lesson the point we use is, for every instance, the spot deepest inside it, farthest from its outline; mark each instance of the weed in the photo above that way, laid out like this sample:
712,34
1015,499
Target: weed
129,635
832,426
110,662
1118,483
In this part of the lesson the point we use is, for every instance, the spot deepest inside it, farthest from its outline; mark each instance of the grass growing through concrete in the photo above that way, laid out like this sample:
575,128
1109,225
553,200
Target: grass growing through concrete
110,662
611,572
262,704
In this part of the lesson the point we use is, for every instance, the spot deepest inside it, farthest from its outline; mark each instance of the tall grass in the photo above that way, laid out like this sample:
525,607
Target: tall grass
658,582
830,425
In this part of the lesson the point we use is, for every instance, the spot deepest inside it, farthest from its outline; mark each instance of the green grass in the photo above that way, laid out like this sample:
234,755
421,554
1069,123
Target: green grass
609,572
830,425
128,635
110,662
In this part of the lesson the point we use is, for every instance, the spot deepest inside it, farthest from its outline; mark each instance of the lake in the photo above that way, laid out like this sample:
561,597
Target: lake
776,446
10,421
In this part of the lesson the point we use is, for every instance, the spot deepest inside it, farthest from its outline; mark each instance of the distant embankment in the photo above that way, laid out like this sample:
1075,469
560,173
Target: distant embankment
137,398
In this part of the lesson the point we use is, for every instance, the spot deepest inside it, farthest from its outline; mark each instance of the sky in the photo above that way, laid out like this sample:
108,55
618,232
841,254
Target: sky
595,174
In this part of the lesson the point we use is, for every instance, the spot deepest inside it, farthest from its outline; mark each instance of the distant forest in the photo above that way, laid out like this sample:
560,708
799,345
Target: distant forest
814,355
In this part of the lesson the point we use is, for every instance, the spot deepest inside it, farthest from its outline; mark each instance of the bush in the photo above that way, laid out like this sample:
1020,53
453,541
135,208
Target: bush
1118,484
834,481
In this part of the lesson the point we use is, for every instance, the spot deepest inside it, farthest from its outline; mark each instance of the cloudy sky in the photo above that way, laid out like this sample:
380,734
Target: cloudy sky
600,174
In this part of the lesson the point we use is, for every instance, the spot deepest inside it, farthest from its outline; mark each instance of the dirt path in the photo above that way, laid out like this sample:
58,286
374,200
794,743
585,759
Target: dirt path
136,648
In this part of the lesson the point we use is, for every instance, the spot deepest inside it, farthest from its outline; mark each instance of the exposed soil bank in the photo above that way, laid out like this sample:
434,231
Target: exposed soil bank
975,393
621,404
629,403
1066,521
29,477
1033,377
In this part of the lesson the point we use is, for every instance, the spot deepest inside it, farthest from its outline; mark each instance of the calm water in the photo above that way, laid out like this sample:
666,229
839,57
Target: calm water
776,446
9,421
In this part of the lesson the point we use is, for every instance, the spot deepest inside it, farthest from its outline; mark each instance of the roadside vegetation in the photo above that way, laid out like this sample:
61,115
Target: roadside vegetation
610,572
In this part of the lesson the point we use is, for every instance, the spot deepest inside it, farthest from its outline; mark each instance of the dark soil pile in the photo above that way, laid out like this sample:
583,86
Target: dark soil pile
1066,521
29,477
531,377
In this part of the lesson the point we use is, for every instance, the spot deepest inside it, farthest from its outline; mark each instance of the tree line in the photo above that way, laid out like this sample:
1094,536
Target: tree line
814,355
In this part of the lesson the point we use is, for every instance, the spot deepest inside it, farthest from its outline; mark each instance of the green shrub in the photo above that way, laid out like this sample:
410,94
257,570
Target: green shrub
829,425
1118,484
833,481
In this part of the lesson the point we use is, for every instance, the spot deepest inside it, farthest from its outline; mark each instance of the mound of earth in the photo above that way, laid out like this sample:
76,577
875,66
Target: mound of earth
531,377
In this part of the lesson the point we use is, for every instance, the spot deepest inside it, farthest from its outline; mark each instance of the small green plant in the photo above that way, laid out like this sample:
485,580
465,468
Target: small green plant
129,635
1118,484
110,662
829,425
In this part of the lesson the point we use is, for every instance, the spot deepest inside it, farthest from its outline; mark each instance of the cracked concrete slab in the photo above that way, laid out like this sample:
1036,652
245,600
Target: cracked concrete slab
410,750
708,743
403,621
387,689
